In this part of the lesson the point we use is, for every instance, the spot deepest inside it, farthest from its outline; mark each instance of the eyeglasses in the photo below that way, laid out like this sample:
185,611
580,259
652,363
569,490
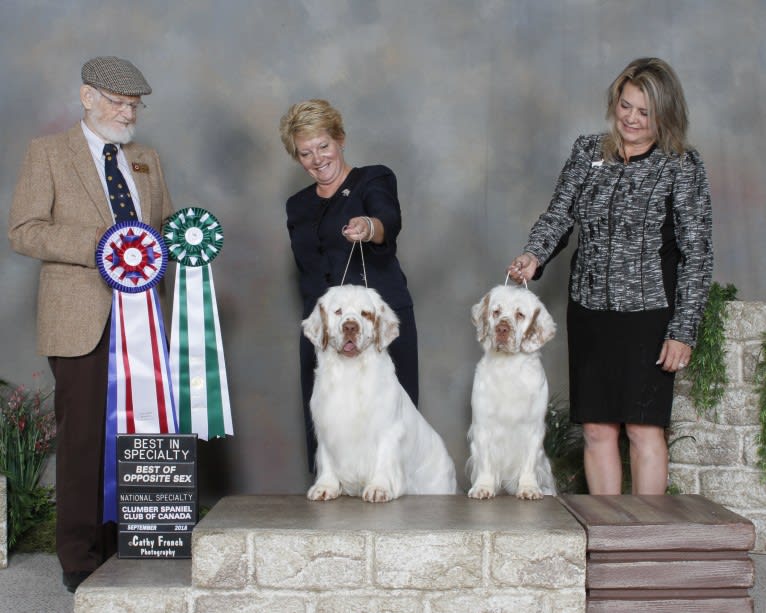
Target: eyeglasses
122,104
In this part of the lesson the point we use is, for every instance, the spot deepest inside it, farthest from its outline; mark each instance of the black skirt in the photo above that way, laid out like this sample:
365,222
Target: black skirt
613,375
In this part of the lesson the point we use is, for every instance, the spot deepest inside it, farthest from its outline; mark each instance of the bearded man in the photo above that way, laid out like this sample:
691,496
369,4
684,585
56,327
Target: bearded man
71,188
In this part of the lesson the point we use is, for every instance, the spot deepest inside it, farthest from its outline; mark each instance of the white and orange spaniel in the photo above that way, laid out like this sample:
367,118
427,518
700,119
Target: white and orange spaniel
510,396
372,441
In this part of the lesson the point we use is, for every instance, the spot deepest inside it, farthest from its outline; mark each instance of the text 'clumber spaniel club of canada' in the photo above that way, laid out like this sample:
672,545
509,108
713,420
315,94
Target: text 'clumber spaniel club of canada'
372,441
510,396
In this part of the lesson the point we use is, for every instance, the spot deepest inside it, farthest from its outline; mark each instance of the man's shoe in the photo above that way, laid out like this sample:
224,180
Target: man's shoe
74,579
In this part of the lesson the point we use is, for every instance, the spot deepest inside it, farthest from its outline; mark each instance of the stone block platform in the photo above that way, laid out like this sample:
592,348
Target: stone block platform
424,554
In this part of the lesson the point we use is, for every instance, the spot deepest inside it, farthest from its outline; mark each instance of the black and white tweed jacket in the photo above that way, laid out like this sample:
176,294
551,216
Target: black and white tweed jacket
624,213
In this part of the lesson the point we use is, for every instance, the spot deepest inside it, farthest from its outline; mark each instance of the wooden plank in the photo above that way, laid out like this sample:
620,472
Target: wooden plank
659,523
669,594
670,574
638,556
651,509
712,605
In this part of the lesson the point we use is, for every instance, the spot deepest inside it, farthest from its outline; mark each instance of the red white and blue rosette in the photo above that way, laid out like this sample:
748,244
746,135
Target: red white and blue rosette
194,238
132,258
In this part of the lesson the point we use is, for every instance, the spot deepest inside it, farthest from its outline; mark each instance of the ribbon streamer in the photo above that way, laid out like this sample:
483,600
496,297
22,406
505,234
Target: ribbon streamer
132,259
194,238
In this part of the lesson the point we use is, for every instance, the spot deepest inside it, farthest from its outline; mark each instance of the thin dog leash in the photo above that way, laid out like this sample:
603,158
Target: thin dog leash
508,276
364,269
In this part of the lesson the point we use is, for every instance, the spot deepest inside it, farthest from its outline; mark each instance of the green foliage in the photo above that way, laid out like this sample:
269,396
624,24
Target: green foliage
564,446
673,490
707,369
27,431
40,538
760,381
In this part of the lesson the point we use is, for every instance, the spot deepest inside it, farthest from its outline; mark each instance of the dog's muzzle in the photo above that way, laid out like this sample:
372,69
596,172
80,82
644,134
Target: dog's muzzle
351,329
503,331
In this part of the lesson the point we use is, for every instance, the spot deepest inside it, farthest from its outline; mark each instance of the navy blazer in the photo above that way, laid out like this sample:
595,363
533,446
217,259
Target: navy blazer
321,251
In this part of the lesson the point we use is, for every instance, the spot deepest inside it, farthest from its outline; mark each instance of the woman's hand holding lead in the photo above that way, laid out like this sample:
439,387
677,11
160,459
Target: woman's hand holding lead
523,267
360,229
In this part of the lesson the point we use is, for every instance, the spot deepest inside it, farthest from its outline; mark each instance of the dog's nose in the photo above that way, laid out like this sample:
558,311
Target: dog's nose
502,330
350,328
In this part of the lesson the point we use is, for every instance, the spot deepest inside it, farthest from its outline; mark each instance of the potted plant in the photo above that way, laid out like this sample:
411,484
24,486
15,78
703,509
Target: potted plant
27,432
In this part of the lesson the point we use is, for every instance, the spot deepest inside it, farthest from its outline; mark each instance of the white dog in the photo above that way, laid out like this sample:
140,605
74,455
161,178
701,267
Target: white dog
510,396
372,441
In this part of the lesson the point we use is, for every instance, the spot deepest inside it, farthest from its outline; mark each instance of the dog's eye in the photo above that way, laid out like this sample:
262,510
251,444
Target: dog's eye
338,311
496,313
368,315
519,316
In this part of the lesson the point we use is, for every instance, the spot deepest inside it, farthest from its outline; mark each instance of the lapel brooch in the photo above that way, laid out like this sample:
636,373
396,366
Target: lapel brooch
140,167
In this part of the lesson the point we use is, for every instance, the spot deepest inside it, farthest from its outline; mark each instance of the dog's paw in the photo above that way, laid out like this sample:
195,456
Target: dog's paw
529,491
323,491
376,493
481,492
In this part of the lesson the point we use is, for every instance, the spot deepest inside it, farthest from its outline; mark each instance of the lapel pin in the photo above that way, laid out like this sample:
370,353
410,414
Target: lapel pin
140,167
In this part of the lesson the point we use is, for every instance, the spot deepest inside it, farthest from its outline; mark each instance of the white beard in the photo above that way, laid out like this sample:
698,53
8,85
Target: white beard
110,133
120,136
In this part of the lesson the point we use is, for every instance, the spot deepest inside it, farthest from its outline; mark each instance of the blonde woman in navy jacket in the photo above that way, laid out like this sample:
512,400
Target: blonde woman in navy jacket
640,276
344,205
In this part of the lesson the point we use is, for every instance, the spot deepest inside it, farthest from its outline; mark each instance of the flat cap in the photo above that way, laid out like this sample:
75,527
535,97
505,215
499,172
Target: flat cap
115,75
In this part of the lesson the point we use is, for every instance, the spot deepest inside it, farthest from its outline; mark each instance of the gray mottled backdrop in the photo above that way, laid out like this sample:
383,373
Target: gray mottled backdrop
474,105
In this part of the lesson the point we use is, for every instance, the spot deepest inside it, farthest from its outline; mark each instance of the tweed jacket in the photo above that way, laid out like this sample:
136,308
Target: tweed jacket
58,215
645,233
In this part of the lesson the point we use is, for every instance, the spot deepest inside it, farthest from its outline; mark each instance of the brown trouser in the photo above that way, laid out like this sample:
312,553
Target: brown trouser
83,543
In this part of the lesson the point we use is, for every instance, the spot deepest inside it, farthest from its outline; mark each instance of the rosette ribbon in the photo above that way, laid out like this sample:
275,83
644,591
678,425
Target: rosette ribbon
194,238
132,259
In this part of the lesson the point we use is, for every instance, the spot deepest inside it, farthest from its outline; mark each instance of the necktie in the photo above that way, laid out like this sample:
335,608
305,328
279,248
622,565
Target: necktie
119,194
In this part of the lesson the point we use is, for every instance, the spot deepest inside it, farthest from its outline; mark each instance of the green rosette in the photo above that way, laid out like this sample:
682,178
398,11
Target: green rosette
193,236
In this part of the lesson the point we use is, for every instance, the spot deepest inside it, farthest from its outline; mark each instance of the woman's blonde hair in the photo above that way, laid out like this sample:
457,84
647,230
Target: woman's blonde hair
668,114
310,118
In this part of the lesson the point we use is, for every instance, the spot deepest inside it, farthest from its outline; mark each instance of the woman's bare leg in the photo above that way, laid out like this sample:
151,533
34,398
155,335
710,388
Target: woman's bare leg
603,466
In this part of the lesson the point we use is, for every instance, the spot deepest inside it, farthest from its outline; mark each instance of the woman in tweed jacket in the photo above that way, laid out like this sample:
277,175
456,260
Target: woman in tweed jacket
640,276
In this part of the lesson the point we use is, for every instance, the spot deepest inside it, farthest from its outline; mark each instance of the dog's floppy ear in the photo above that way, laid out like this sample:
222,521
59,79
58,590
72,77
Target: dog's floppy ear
480,317
386,326
315,327
540,330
